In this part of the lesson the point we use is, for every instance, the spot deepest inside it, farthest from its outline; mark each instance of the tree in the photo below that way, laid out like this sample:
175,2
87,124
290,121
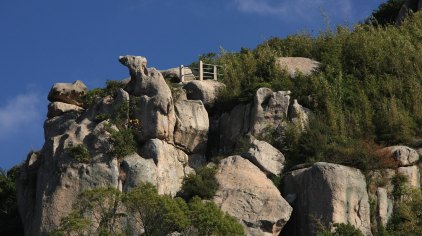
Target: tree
386,13
10,222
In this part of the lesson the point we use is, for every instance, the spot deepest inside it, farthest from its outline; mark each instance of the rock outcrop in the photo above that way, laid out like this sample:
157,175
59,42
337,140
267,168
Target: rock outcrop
192,124
266,157
68,93
248,195
269,111
327,192
154,104
295,65
206,90
404,155
171,165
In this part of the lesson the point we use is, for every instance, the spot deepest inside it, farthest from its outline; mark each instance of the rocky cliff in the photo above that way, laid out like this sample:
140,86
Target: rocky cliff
86,147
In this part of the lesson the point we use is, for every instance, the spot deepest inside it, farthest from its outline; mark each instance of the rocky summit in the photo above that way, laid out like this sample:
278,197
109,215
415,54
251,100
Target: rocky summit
157,130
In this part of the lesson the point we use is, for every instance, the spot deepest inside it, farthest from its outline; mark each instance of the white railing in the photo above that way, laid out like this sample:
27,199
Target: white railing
205,71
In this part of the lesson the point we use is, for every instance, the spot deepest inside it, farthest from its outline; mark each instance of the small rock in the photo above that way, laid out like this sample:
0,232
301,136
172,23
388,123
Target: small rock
68,93
266,157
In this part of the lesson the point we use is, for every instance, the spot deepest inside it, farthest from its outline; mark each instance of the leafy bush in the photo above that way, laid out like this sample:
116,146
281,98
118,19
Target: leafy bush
407,215
123,142
112,86
202,184
99,212
10,222
79,153
361,93
208,219
386,13
341,230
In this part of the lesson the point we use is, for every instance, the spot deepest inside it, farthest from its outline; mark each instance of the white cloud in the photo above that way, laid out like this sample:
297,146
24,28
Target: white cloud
19,113
295,8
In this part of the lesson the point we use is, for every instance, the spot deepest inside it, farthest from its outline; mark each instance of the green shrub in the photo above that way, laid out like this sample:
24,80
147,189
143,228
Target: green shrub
208,219
99,212
407,215
202,184
341,230
79,153
10,221
123,142
386,13
111,89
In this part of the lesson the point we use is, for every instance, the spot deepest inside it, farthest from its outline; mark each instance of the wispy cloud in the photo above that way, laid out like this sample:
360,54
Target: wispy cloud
297,8
19,113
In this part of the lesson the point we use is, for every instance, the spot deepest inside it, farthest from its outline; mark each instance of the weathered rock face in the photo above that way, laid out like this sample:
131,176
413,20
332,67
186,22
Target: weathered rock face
138,170
294,65
191,131
266,157
233,125
300,115
384,206
248,195
68,93
171,165
404,155
206,90
153,103
329,192
59,108
412,174
50,183
269,109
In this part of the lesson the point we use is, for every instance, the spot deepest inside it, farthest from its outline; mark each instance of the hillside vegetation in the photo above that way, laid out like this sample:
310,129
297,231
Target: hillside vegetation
367,92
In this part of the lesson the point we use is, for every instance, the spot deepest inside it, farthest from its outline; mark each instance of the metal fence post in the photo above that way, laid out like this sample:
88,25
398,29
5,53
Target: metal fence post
201,70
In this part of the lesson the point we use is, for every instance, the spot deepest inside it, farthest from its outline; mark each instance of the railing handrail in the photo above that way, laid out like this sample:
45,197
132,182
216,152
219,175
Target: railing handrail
202,74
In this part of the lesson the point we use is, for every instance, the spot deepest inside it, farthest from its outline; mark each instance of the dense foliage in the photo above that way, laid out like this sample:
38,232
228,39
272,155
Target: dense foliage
367,91
100,212
10,222
386,13
79,153
202,184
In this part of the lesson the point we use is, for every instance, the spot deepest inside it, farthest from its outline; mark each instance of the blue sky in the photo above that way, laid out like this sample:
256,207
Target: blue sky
47,41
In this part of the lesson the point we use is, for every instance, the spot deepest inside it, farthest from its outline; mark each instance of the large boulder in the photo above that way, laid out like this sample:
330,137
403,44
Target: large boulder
171,165
405,156
327,192
68,93
138,170
191,131
269,110
295,65
153,102
205,90
266,157
248,195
